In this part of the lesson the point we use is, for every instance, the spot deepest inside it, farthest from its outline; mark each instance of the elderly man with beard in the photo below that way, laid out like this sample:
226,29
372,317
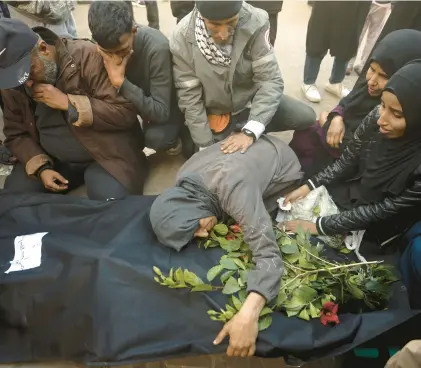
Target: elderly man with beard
63,119
227,77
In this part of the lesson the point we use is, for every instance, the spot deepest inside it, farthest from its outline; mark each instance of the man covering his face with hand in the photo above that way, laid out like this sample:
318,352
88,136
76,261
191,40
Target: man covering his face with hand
63,120
138,63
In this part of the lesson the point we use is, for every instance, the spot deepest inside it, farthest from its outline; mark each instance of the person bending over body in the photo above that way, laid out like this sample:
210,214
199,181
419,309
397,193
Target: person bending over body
63,120
377,180
321,144
138,62
228,79
212,185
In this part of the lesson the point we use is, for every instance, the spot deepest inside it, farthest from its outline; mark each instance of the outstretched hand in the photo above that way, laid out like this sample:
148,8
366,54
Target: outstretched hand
243,328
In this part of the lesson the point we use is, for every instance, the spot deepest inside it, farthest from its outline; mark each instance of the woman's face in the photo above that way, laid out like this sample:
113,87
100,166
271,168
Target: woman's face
376,79
391,122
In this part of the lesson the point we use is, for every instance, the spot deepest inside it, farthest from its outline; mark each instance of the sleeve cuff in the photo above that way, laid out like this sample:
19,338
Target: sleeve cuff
35,163
255,127
84,109
319,226
311,184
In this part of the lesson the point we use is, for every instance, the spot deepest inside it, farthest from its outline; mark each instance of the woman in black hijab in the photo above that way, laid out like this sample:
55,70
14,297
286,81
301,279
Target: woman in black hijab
377,179
319,145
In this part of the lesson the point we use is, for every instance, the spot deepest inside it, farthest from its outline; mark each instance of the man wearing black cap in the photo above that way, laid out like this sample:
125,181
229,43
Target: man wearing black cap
63,120
228,79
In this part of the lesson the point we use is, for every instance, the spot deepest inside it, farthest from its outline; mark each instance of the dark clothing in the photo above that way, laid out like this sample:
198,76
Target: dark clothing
272,8
410,265
395,50
106,127
344,178
404,15
312,67
208,186
149,85
100,185
336,26
152,13
56,137
4,13
181,8
273,30
162,137
130,6
4,10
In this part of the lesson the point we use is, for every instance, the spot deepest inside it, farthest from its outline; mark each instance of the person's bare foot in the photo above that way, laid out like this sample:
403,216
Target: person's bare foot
323,118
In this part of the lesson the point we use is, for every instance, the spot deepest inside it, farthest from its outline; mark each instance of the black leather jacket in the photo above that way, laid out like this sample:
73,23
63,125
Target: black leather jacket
350,166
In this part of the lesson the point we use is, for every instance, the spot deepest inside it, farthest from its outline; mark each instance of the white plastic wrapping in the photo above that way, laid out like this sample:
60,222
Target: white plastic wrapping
317,203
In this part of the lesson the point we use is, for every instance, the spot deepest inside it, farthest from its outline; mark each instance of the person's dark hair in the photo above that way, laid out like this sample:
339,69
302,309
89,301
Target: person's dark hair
108,21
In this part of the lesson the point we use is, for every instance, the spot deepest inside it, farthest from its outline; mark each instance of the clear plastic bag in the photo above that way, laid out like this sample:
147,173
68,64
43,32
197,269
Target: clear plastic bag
317,203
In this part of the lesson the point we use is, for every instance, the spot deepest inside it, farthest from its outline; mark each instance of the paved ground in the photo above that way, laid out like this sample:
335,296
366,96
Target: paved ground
290,51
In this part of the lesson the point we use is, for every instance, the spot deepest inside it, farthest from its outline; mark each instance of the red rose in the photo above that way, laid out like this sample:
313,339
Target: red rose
235,228
329,314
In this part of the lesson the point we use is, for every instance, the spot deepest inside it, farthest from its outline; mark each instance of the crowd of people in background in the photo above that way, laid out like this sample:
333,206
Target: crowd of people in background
81,112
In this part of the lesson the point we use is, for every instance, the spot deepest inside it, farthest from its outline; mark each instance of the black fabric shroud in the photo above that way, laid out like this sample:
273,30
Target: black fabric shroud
94,300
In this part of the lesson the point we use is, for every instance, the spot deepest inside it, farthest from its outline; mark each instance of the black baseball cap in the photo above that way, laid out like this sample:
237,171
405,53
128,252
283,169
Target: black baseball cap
17,41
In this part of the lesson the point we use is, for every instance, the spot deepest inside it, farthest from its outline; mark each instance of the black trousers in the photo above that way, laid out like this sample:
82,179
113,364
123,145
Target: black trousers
273,21
100,185
161,137
152,13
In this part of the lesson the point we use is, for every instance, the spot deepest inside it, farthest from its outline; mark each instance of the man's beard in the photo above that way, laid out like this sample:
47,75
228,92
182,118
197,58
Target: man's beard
50,70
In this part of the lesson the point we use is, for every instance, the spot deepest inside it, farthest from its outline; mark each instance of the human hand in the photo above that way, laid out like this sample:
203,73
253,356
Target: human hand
53,181
50,95
235,142
243,328
336,132
205,225
115,67
294,225
297,194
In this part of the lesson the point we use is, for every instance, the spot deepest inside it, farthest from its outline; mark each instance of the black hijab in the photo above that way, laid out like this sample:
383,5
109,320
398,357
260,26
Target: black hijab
392,53
392,161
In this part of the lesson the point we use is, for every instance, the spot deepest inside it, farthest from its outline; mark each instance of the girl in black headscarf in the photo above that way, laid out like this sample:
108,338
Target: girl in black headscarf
319,145
377,179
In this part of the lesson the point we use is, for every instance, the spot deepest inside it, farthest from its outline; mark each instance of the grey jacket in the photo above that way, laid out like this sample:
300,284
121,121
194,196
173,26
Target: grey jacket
253,76
247,186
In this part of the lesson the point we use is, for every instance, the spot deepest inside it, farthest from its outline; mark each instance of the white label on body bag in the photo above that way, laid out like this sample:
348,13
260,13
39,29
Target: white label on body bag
27,252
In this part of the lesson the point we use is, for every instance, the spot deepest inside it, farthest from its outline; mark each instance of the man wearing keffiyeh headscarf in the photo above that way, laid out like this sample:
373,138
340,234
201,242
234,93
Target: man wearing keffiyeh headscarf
212,185
227,77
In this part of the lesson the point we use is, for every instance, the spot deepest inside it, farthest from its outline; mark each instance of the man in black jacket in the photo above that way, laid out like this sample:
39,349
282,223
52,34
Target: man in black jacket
138,62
